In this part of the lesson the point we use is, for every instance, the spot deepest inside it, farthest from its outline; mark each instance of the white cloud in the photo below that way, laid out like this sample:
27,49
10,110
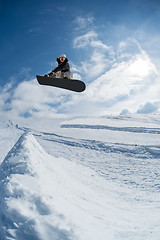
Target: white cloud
148,107
100,54
83,22
99,44
90,39
125,82
84,40
29,98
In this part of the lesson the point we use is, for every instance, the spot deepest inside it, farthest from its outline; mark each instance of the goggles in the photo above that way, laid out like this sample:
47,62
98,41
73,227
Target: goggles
62,58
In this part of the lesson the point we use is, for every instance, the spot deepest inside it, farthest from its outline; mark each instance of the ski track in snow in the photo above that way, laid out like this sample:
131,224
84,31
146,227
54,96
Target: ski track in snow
61,186
124,129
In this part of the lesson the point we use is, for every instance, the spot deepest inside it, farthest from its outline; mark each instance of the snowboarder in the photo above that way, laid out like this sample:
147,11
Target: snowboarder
63,69
61,77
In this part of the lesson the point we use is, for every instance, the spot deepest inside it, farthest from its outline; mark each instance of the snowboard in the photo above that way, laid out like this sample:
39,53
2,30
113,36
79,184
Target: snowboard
69,84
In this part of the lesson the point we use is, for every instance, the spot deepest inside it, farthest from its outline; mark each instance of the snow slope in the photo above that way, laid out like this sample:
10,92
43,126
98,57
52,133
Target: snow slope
92,178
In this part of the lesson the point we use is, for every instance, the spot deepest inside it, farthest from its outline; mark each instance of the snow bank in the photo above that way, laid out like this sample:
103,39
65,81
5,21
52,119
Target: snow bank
26,203
43,197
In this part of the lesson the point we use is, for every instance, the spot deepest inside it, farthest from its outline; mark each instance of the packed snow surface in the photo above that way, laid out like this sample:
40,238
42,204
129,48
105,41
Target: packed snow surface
81,179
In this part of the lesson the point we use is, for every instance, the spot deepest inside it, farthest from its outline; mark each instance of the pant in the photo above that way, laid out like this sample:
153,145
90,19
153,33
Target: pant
60,74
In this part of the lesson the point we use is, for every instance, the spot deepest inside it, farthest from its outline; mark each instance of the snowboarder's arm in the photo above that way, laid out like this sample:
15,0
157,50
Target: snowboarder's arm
62,67
54,71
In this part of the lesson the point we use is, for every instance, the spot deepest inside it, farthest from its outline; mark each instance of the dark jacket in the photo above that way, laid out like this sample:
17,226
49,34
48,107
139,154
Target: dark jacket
62,66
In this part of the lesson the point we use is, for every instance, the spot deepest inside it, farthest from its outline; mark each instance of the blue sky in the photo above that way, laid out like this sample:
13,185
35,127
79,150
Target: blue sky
34,33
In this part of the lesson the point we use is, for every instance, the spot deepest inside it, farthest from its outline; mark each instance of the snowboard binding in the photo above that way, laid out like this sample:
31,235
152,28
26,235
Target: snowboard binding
59,74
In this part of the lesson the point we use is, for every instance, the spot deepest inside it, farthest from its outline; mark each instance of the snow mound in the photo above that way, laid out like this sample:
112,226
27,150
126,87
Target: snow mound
43,197
25,201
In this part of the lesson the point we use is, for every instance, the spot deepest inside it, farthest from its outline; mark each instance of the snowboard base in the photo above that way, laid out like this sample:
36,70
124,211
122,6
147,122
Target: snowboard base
69,84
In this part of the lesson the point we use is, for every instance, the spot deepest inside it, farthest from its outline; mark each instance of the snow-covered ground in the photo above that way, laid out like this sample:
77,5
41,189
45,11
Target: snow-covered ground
80,179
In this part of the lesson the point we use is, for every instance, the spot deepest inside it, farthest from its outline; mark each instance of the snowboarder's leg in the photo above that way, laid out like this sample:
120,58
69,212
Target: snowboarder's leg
68,75
59,74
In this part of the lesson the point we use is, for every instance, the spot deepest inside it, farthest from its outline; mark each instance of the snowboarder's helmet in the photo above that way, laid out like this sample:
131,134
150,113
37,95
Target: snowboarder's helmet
62,57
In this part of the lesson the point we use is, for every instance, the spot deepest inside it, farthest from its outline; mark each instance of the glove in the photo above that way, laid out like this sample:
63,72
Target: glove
58,61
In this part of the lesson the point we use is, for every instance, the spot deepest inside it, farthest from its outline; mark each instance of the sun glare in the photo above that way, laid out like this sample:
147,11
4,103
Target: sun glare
141,67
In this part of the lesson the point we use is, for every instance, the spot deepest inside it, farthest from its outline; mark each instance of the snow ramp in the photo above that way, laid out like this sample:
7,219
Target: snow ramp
42,197
26,196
